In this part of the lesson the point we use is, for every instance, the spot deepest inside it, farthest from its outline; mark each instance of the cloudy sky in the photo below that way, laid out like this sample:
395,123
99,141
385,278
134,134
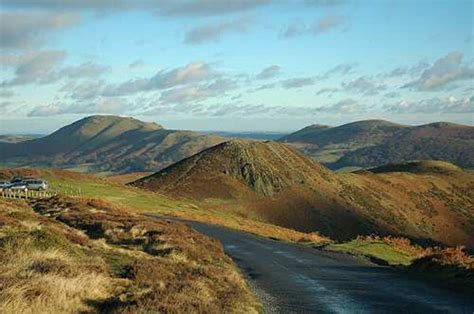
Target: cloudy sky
235,64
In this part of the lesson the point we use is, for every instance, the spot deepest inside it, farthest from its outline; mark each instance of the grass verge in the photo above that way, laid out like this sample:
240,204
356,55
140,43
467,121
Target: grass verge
83,255
451,266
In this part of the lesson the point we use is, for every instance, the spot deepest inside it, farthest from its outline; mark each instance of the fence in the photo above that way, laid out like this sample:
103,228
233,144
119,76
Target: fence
26,194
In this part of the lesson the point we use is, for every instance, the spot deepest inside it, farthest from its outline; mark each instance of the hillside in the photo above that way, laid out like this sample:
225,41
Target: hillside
108,143
273,183
73,255
236,168
375,142
421,167
109,189
14,138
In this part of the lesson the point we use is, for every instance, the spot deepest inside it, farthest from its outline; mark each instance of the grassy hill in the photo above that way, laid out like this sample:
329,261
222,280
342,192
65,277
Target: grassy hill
273,183
108,144
376,142
235,169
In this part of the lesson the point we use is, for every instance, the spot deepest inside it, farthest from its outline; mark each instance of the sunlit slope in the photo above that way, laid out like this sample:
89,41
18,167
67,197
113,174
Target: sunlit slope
428,201
82,185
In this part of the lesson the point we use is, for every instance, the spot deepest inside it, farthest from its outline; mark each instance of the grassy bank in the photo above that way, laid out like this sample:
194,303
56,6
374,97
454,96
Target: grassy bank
77,255
451,266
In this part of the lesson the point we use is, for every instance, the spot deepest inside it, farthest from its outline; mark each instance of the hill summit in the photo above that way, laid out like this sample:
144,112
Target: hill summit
109,143
237,165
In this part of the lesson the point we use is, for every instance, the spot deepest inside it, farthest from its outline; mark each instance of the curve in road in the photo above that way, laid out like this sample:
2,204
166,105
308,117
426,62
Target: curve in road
292,278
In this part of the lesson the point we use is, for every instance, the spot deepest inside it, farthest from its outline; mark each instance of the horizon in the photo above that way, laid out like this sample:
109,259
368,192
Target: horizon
243,131
240,66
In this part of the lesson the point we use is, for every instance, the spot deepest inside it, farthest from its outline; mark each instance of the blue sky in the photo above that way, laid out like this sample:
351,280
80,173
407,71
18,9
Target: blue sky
235,65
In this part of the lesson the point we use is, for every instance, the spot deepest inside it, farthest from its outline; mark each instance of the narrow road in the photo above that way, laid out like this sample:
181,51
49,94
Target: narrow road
292,278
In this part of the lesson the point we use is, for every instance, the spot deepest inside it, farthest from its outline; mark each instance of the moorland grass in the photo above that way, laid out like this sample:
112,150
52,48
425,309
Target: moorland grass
80,255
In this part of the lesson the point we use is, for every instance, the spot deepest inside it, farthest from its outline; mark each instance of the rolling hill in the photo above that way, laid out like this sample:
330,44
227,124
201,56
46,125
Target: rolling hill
374,143
427,201
16,138
108,143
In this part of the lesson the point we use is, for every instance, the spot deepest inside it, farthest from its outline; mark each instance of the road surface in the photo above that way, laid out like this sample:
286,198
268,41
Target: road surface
292,278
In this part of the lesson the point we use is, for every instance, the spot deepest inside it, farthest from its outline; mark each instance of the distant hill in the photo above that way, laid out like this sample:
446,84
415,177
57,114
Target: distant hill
271,182
108,143
16,138
376,142
264,136
422,167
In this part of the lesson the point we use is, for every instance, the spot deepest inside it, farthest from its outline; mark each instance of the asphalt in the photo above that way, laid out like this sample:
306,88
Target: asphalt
292,278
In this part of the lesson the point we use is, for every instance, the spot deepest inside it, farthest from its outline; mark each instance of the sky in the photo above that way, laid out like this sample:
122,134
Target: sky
241,65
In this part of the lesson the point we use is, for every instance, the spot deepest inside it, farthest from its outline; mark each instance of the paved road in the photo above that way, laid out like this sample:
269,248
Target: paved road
292,278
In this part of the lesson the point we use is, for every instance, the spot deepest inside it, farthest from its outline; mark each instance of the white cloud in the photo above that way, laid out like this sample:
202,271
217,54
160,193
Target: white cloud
449,104
269,72
297,82
163,7
364,86
33,67
191,73
103,105
444,71
214,32
345,106
325,25
19,30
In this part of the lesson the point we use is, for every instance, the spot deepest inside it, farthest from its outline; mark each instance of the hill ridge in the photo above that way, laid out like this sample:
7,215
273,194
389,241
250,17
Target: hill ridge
108,143
372,143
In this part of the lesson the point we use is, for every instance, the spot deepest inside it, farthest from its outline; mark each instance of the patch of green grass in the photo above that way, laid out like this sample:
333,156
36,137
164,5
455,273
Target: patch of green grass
375,249
116,193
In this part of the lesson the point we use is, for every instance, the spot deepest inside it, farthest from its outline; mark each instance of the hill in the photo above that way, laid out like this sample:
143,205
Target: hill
422,167
255,135
274,183
235,168
15,138
108,143
376,142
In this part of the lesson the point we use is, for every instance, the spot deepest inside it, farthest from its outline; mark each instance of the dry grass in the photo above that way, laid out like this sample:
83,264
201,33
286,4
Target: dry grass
80,255
252,226
451,266
35,281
